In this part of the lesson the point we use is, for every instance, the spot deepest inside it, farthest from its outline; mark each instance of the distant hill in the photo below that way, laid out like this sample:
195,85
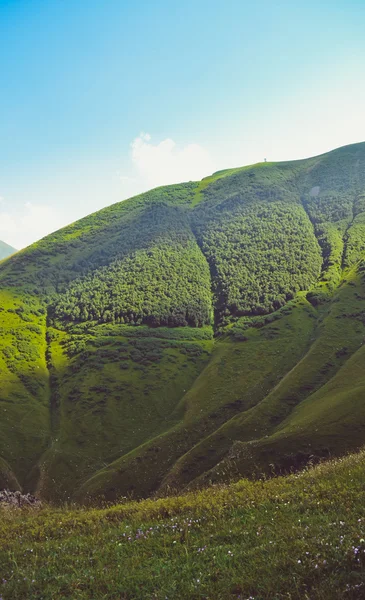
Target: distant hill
5,250
199,332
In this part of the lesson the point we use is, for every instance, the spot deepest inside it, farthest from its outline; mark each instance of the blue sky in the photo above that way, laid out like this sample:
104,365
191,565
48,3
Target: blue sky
103,99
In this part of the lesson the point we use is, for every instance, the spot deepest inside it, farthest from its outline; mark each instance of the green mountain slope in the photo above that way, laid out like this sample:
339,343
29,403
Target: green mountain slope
197,332
5,250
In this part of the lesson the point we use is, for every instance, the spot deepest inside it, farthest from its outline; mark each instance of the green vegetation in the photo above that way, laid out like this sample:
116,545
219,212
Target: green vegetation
50,264
196,333
24,391
166,282
237,377
112,394
261,254
300,536
332,189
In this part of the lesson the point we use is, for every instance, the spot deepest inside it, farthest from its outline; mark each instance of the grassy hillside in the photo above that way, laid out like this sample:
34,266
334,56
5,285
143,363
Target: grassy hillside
300,536
24,390
113,396
195,333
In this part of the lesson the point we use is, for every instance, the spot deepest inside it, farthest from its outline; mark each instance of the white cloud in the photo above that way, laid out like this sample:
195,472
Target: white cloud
165,163
32,222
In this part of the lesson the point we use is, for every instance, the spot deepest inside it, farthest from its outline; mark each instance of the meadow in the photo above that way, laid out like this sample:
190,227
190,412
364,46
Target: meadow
296,537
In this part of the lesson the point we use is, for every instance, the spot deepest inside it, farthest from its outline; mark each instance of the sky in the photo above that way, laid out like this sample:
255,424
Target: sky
103,99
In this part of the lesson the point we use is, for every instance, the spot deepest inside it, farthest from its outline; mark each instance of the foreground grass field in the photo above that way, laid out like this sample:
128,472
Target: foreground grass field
295,537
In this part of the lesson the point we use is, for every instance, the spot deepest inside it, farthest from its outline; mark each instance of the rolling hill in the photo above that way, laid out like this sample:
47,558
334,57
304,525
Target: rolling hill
197,333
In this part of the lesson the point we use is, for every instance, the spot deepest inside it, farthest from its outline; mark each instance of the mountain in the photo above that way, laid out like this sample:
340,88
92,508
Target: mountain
5,250
196,333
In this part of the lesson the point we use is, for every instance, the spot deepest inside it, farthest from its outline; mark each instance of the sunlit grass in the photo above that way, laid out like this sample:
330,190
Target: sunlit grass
296,537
